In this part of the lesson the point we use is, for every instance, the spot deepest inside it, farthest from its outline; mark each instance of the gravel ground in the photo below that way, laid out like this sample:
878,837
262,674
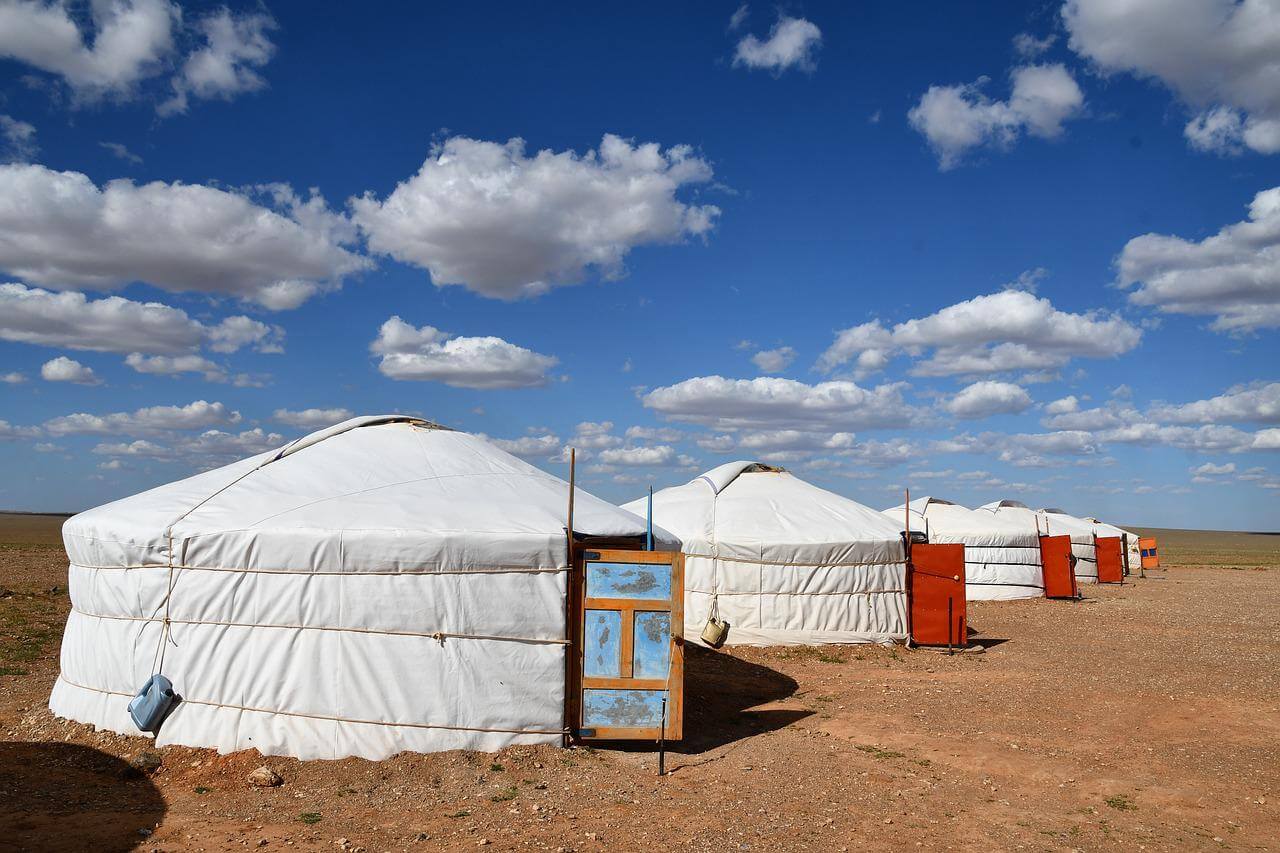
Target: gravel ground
1145,717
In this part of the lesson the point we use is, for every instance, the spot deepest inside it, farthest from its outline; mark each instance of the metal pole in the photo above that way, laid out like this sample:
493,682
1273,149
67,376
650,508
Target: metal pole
662,740
648,533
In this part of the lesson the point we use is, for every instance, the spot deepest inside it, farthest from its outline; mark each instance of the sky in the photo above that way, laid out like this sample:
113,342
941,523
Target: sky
1026,252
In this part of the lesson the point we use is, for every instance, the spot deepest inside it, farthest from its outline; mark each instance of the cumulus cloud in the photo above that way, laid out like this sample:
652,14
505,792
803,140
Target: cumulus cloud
12,378
17,140
63,369
1221,58
150,420
1009,330
235,46
792,43
169,365
660,455
311,418
1023,450
1210,469
429,354
32,315
1215,438
1232,276
9,432
207,449
1063,406
1259,404
776,403
594,436
659,434
1103,417
544,446
959,118
129,41
501,223
59,230
774,360
986,398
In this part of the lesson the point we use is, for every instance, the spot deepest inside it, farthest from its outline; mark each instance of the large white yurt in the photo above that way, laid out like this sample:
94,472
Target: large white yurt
1001,558
783,561
1081,533
381,585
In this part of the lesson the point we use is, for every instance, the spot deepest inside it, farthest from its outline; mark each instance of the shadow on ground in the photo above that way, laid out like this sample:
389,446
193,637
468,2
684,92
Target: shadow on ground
62,797
721,690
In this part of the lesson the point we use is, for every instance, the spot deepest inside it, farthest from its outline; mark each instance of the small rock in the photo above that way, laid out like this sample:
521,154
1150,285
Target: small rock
265,777
262,842
145,833
975,649
147,761
592,836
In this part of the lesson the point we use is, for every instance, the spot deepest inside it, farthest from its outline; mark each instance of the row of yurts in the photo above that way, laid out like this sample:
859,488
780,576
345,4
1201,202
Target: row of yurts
387,584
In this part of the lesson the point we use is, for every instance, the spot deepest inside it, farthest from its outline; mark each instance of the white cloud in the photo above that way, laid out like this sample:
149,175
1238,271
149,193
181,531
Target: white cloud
63,369
1265,439
774,360
739,17
205,450
1023,450
507,225
1204,439
1030,47
659,434
1210,469
1063,406
792,43
986,398
17,140
46,447
1219,56
59,230
170,365
311,418
130,38
957,119
32,315
776,403
121,152
429,354
594,436
150,420
9,432
225,66
1233,275
1009,330
1259,404
12,378
1091,419
660,455
543,446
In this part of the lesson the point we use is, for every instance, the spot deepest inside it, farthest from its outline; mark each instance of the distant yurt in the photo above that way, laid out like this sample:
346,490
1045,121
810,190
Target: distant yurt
1001,557
1081,533
783,561
382,585
1132,551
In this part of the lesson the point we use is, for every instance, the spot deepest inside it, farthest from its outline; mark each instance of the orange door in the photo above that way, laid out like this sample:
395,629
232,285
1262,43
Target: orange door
936,590
1149,555
1059,575
1110,559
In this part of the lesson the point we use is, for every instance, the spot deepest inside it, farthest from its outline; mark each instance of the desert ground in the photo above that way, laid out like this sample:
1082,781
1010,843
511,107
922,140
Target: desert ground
1145,717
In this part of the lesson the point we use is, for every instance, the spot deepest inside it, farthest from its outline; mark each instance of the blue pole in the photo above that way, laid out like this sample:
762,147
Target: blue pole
648,533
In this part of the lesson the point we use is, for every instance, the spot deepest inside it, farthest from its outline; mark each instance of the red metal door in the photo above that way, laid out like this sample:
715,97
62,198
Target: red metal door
1059,575
936,589
1110,559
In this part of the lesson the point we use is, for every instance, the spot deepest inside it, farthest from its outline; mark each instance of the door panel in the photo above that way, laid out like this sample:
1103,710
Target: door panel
1059,575
936,588
627,655
1149,553
1110,559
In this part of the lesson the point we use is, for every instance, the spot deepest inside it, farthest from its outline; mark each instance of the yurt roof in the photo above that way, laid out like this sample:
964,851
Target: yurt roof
948,521
374,493
752,508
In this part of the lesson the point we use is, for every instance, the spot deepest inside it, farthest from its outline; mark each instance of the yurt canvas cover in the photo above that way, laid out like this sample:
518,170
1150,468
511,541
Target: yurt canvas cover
1053,524
1001,558
783,561
1130,540
379,586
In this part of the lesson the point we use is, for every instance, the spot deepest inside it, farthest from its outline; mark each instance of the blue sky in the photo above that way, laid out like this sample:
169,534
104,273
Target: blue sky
1026,253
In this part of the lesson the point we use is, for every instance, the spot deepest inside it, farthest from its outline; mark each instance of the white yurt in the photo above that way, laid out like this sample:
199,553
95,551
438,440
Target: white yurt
1133,552
1083,541
382,585
1052,523
783,561
1001,558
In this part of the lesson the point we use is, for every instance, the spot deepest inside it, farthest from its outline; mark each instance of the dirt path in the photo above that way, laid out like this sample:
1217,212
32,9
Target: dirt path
1147,717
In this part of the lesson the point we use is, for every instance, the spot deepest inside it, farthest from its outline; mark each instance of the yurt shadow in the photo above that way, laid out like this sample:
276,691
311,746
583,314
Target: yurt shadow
64,797
721,699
